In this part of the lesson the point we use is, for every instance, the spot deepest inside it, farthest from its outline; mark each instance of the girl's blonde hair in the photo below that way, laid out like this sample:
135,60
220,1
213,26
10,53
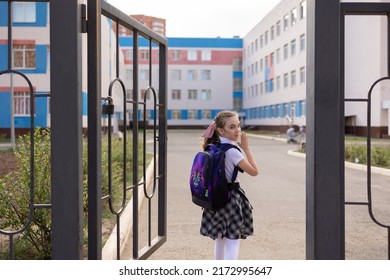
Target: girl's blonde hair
219,122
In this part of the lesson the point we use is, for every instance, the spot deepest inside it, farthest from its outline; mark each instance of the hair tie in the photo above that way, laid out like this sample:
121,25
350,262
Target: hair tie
209,132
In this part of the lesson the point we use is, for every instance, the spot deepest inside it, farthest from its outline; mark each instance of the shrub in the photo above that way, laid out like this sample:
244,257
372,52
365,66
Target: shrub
15,197
35,241
380,155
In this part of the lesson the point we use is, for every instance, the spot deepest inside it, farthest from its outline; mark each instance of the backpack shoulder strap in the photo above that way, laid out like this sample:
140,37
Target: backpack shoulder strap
225,147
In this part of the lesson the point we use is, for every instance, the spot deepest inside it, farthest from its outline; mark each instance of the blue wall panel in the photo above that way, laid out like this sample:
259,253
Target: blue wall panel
3,57
5,110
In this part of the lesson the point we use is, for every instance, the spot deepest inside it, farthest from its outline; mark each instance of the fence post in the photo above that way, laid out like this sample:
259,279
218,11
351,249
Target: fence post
66,129
325,236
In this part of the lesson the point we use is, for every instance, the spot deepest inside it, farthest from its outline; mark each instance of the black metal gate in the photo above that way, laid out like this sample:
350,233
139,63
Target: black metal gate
325,124
95,8
368,9
68,21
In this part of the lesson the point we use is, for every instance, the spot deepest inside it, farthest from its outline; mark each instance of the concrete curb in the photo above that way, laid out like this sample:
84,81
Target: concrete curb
109,249
275,138
361,167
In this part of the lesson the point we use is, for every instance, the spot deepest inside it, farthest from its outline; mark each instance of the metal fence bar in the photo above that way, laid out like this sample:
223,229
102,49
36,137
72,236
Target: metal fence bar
135,144
94,131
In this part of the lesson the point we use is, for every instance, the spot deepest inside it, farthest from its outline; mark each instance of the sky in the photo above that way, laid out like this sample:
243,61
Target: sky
202,18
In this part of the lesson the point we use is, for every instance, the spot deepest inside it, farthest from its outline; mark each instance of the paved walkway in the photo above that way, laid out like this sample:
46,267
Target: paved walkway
278,198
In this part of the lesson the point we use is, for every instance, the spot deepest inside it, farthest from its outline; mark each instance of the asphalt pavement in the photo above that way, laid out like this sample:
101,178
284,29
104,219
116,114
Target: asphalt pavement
278,198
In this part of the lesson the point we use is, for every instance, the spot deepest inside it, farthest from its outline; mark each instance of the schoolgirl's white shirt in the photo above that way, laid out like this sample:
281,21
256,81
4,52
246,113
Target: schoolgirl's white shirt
232,158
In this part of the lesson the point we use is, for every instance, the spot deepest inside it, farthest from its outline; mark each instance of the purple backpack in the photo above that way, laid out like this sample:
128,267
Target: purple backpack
208,183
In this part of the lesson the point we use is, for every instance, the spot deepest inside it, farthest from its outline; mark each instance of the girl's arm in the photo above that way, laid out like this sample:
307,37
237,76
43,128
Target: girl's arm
249,164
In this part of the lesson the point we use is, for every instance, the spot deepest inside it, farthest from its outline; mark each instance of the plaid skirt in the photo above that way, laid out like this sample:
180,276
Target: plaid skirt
234,221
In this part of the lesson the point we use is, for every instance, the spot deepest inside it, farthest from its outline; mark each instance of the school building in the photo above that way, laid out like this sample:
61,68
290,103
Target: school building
262,75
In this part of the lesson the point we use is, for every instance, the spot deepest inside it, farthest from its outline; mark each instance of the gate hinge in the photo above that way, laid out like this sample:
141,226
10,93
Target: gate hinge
84,28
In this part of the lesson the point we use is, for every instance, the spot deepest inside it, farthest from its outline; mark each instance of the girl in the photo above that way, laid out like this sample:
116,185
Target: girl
234,221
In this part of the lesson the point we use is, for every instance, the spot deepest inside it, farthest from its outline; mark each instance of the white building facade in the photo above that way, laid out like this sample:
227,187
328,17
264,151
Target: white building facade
274,67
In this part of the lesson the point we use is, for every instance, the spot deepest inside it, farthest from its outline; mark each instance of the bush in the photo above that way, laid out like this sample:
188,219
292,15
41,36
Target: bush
380,155
15,198
35,241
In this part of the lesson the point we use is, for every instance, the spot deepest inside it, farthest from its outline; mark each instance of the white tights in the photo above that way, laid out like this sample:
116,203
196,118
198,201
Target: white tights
226,249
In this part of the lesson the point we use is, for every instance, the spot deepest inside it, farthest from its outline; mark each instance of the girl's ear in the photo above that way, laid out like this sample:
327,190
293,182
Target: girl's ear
220,131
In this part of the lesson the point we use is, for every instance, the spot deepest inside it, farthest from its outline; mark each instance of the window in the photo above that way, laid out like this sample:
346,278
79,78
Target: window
266,84
237,64
271,59
129,55
206,55
278,112
205,94
293,47
256,45
252,47
144,75
293,16
192,75
303,107
302,9
292,109
278,83
176,55
143,94
272,32
302,75
271,85
278,56
176,75
256,67
285,51
261,65
293,78
206,114
192,94
129,94
24,56
285,22
22,103
23,12
285,80
237,84
192,55
261,41
237,104
205,75
302,41
176,115
176,94
129,74
261,88
144,54
266,37
278,28
191,114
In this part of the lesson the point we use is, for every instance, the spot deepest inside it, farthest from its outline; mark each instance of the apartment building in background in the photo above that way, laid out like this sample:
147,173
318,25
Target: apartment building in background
274,68
158,25
204,77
